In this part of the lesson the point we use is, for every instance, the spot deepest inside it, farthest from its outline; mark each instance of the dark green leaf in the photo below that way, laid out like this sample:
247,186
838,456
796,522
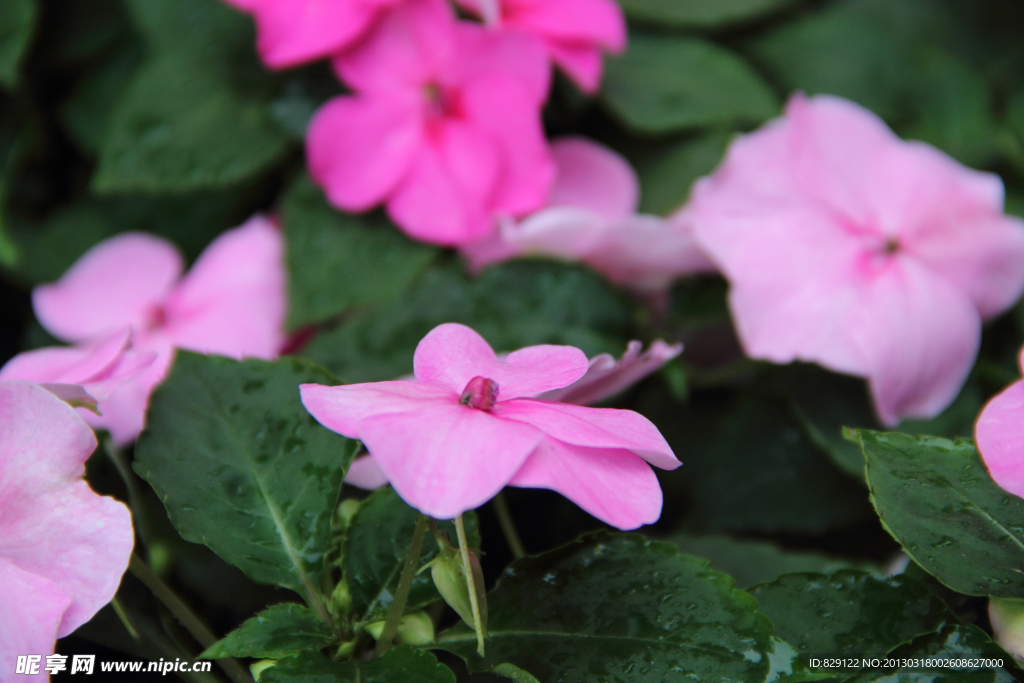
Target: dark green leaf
699,13
277,632
243,468
338,261
17,21
515,673
400,665
753,562
373,560
87,113
207,30
937,499
619,608
668,171
665,83
512,305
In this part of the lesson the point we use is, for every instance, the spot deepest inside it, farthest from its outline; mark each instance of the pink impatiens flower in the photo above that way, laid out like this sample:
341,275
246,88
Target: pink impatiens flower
575,32
443,125
63,548
449,440
591,217
999,434
232,302
846,246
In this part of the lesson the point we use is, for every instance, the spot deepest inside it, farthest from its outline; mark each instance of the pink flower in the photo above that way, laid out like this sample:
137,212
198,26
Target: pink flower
449,440
606,376
999,434
575,32
851,248
232,302
443,125
292,32
591,217
63,548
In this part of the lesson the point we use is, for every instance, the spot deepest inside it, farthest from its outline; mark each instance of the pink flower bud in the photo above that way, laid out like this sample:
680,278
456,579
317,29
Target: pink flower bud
479,393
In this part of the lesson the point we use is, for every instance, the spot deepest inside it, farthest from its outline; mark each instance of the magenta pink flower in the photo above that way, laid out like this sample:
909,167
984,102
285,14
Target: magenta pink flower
848,247
575,32
999,434
449,440
443,125
232,302
292,32
591,217
63,548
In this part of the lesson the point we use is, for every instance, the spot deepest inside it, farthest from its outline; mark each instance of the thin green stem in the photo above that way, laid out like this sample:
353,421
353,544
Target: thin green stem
508,527
184,614
123,616
117,456
467,568
397,607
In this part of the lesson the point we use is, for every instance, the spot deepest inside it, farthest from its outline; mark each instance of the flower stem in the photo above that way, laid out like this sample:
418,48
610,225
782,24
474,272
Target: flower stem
184,614
467,568
139,519
508,527
397,607
123,616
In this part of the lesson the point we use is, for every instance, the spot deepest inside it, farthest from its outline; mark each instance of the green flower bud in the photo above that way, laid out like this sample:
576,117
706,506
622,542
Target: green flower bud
415,628
450,580
345,650
1007,618
257,668
341,597
347,509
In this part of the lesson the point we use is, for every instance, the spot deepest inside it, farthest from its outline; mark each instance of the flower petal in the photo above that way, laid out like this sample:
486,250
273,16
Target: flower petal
606,377
33,609
115,284
593,177
342,408
364,473
1000,437
582,63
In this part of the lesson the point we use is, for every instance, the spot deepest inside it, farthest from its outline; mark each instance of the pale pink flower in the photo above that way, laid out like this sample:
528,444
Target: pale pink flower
591,217
449,440
292,32
999,434
848,247
443,125
63,548
232,302
574,32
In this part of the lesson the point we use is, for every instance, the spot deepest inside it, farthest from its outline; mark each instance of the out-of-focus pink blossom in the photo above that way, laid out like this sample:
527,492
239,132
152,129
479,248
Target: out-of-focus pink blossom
575,32
591,217
846,246
999,434
443,125
232,302
63,548
292,32
466,426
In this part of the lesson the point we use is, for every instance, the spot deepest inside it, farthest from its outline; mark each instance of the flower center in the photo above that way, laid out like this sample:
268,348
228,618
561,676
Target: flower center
441,104
891,246
479,393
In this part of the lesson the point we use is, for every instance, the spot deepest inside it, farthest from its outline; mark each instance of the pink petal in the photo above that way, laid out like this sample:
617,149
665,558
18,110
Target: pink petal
613,485
582,63
233,300
593,177
51,523
607,377
452,354
513,55
1000,437
117,283
365,474
561,231
490,249
446,459
33,609
341,409
593,22
593,428
359,148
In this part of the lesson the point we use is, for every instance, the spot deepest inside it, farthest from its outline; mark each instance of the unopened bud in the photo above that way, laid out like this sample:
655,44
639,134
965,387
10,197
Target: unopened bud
480,393
347,509
341,597
450,580
1007,618
257,668
415,628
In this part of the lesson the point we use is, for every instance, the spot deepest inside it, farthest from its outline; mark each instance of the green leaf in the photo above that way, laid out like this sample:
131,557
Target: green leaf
512,305
17,22
937,499
665,83
619,608
373,560
87,113
699,13
277,632
754,562
849,612
515,673
338,261
668,171
243,468
400,665
953,642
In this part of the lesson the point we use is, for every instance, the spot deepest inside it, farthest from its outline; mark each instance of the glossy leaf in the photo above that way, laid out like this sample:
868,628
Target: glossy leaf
373,559
338,261
699,13
277,632
512,305
400,665
665,83
243,468
937,499
616,608
668,171
17,21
